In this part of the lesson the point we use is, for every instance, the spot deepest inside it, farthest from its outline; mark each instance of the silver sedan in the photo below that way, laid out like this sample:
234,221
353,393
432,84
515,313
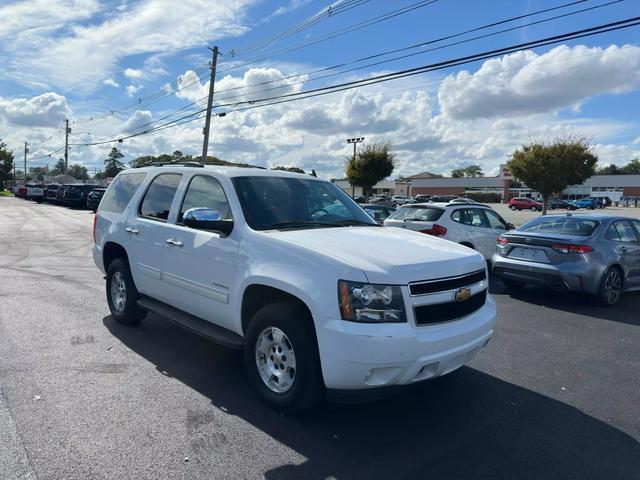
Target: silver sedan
597,254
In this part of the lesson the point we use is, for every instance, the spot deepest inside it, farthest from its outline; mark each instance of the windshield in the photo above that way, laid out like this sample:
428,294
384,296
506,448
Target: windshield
560,225
292,203
422,214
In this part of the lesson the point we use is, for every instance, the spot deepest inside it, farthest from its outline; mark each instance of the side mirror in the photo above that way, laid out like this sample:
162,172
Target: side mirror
207,219
510,226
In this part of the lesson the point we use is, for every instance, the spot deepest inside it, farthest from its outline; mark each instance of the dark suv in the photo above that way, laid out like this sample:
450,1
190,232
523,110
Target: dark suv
50,192
76,195
94,197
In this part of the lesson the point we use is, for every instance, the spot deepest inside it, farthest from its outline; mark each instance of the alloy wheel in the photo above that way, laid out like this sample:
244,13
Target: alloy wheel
275,359
118,291
612,286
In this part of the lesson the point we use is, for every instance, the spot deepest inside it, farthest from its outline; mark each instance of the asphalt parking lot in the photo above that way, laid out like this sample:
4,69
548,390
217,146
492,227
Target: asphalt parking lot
556,394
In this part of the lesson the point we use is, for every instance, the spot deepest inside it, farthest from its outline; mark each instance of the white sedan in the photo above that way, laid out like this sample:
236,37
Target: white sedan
475,226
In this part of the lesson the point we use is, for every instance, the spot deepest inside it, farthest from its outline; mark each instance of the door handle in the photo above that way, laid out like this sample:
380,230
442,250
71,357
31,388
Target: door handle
175,243
133,231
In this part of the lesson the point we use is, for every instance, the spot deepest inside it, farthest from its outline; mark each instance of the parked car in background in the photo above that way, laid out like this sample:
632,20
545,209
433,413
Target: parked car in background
378,212
94,197
322,302
524,203
558,203
420,198
76,195
35,192
50,192
441,198
597,254
589,203
60,194
360,198
474,226
21,192
381,200
402,199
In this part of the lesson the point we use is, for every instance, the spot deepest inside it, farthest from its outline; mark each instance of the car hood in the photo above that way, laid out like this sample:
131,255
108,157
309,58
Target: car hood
388,255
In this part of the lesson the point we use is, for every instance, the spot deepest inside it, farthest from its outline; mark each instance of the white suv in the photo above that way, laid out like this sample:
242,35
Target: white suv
475,226
292,270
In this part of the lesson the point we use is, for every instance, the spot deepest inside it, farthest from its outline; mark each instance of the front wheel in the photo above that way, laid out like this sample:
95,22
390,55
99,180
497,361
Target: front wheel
281,357
122,295
534,209
513,208
610,287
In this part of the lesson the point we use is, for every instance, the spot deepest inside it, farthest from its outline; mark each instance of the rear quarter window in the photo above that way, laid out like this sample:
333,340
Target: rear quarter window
422,214
119,193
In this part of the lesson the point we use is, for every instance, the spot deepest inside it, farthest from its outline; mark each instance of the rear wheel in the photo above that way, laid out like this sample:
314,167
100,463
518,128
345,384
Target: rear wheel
281,357
122,295
610,287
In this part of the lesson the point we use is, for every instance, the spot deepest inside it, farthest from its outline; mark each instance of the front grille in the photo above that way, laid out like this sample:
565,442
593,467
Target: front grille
447,283
444,312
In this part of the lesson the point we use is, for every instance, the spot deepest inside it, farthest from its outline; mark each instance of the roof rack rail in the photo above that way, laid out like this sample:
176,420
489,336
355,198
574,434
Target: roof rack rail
190,163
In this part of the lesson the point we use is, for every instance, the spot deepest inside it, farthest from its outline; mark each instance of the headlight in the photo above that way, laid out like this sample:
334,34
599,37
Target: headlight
370,303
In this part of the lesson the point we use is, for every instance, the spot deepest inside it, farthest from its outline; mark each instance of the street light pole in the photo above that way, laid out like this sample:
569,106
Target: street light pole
207,122
26,150
355,142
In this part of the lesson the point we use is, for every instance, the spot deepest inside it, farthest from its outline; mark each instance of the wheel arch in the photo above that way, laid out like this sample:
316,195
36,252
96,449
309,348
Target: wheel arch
110,252
257,295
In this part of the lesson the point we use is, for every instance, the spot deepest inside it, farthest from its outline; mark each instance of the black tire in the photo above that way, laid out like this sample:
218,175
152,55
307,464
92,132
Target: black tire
513,208
611,287
534,209
128,313
307,388
511,284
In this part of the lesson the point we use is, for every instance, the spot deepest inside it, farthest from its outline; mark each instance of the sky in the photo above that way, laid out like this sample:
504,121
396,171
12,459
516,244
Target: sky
117,68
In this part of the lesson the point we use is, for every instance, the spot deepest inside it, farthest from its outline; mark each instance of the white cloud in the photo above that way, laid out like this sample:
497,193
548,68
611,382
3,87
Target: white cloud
523,83
133,73
111,82
135,121
84,55
47,110
132,89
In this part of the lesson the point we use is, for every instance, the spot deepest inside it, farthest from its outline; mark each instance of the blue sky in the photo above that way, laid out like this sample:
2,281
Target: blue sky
80,59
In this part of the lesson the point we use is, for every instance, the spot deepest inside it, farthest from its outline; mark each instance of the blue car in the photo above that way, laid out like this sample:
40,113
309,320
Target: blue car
590,203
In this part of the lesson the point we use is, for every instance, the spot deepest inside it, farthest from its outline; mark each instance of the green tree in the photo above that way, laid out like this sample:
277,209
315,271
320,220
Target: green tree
473,171
6,163
289,169
79,172
113,165
632,168
178,156
609,170
457,173
373,162
552,167
58,168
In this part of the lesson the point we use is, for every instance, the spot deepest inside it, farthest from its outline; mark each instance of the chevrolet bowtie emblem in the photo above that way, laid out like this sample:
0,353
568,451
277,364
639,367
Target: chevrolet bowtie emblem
462,294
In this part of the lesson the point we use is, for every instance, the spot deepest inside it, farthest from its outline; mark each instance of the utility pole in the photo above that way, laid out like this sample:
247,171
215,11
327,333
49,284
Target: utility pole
67,131
26,150
355,142
207,122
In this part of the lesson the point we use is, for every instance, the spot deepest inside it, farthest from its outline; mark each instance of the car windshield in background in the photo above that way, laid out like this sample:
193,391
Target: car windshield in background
560,225
419,214
293,203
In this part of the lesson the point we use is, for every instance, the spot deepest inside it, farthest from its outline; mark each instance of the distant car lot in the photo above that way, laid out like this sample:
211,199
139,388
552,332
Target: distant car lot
554,396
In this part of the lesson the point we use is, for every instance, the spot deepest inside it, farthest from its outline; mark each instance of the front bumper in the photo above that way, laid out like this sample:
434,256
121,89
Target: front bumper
362,356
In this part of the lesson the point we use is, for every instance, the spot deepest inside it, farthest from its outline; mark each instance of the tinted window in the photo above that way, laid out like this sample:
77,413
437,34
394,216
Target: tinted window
157,201
293,202
624,232
117,196
636,223
421,214
560,225
205,191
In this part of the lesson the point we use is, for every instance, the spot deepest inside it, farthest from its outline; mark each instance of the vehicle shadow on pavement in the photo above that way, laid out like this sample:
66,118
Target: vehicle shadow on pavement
465,425
626,311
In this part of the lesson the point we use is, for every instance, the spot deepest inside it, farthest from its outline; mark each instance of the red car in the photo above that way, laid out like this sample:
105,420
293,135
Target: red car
524,203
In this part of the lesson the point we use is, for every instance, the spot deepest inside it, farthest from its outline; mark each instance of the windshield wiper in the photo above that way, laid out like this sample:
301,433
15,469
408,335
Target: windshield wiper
302,224
352,222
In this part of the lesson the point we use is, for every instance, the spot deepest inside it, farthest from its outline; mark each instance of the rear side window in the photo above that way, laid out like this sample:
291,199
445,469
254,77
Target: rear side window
119,193
159,197
621,231
421,214
561,225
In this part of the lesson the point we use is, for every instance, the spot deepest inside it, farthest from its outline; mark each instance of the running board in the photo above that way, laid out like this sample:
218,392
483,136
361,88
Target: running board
191,322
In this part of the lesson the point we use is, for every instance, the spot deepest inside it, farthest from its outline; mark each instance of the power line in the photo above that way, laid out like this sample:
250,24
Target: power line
604,28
